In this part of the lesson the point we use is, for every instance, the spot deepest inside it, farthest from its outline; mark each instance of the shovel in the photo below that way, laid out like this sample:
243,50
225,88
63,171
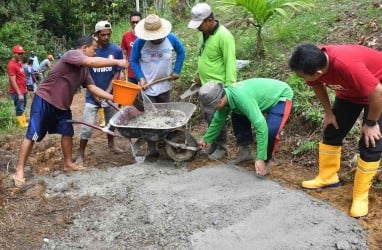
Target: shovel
194,88
103,129
129,111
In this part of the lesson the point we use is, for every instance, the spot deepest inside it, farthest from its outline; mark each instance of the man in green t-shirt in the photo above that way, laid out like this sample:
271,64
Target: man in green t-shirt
250,98
217,63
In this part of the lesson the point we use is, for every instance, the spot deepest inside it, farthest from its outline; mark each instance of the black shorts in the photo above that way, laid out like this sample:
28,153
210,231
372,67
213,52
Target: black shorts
30,88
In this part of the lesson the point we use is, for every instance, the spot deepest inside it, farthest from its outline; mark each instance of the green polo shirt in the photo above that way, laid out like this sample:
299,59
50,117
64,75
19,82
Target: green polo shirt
217,60
251,98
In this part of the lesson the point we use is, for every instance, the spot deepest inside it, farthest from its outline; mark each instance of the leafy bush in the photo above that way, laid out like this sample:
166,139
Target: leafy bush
6,115
305,102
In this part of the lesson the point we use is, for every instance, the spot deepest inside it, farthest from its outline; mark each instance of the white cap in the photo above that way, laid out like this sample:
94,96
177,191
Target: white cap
198,14
102,25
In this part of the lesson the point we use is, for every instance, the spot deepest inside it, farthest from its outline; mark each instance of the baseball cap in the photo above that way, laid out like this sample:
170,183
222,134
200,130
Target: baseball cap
18,49
102,25
198,14
210,95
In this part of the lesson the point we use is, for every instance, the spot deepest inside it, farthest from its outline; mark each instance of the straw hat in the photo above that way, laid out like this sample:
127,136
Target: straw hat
152,28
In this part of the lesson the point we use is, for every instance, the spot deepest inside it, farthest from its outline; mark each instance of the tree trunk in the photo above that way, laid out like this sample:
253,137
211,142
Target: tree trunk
260,51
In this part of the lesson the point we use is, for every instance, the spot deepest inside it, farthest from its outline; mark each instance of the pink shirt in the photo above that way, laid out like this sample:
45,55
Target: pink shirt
65,79
354,71
127,42
15,68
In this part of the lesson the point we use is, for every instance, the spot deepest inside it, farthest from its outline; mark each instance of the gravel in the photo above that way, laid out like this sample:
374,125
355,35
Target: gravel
162,206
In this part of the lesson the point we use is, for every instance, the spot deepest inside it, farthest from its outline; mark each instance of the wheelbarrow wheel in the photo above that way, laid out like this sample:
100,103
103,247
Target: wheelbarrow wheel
176,153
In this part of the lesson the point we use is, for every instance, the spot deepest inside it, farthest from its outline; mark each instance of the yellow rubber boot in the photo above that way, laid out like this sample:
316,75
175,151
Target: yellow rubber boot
25,123
101,114
329,161
362,182
20,120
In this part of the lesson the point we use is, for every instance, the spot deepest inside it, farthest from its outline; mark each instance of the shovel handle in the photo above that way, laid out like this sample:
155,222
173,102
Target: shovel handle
112,105
106,130
157,80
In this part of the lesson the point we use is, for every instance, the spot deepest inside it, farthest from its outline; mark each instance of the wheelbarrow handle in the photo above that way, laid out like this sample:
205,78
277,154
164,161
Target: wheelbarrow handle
105,129
181,146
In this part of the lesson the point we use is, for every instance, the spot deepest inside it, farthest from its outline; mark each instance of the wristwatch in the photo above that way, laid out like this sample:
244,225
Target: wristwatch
371,123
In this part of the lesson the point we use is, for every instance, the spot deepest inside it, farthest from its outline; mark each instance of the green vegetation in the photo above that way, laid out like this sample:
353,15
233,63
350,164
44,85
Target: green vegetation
262,11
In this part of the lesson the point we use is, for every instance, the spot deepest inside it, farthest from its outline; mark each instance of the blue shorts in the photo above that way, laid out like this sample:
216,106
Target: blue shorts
45,118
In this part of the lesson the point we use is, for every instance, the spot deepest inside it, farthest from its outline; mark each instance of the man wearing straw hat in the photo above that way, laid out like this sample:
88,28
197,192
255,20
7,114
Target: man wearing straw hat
103,78
151,59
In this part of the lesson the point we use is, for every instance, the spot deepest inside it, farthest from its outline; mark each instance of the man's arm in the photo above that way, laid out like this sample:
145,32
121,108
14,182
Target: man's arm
134,59
98,62
229,55
375,103
323,97
180,53
373,133
94,90
12,80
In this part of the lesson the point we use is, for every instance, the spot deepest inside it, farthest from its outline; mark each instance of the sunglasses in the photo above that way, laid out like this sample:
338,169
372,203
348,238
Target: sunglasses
134,22
20,54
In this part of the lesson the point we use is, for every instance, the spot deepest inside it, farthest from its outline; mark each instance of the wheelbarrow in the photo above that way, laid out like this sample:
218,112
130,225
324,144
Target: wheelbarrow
168,123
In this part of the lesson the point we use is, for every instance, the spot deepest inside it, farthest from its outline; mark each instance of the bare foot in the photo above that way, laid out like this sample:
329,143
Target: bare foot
19,182
74,167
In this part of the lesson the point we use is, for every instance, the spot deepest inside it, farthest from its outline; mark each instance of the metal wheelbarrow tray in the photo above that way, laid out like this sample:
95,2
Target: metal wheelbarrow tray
167,123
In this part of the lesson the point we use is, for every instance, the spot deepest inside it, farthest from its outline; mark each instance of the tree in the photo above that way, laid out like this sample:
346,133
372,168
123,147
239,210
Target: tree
263,10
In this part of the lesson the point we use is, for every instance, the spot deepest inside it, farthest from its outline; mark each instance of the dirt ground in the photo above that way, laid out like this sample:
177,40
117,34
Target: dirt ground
28,215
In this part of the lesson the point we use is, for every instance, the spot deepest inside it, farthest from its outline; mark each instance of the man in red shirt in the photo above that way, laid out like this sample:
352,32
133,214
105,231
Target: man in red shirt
354,72
127,42
18,84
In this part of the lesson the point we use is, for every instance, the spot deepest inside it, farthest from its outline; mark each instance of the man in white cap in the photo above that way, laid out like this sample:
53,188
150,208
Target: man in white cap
217,63
151,59
103,78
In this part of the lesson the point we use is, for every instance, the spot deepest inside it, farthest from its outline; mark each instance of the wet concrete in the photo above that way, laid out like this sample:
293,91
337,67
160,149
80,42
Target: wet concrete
162,206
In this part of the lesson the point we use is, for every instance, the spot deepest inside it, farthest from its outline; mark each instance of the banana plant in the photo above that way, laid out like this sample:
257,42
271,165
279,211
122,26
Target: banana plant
262,10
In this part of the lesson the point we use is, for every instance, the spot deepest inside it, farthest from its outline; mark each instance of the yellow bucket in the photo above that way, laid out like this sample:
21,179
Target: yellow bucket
124,92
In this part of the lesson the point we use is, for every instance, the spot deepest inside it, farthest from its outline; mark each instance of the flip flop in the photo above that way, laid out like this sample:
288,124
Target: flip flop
19,182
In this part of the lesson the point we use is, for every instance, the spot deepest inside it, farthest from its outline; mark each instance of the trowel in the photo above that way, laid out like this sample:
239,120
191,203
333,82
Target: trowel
194,88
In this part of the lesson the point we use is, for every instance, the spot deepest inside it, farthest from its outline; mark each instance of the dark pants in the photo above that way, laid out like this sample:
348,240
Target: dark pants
132,80
347,114
242,129
161,98
276,119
